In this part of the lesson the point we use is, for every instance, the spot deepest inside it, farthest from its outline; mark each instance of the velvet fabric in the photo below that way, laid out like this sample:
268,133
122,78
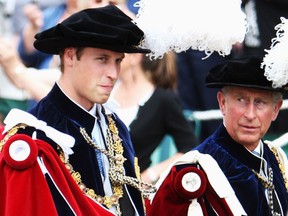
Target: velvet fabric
172,199
24,189
59,112
237,163
246,72
104,27
159,116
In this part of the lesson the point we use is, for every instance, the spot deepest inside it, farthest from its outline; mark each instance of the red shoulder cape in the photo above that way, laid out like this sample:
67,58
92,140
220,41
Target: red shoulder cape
24,190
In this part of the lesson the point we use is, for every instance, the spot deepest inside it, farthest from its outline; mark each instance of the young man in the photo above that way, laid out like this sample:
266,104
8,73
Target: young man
254,169
91,45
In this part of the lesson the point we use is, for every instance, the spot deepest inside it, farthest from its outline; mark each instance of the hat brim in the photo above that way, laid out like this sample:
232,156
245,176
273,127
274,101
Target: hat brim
223,84
104,27
60,44
244,72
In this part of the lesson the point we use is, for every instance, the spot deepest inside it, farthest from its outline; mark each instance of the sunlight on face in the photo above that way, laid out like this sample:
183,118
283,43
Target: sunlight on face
91,78
247,113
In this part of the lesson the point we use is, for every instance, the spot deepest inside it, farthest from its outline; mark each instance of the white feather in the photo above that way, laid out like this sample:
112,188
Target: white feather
275,62
205,25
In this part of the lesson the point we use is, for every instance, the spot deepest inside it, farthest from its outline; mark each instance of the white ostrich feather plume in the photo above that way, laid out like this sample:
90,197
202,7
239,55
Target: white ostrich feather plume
275,62
205,25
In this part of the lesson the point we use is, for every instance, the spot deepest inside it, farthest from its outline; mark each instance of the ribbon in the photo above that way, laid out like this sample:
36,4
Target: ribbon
16,116
216,177
195,209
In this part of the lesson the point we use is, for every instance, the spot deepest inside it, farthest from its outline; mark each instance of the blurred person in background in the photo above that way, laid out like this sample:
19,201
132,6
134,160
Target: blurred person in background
145,100
12,20
18,16
38,20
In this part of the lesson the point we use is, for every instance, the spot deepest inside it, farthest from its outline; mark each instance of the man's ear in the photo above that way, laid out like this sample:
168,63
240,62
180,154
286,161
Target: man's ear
69,54
276,110
221,101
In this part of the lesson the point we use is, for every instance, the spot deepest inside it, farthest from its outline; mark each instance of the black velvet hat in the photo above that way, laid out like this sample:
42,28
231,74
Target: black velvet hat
104,27
239,72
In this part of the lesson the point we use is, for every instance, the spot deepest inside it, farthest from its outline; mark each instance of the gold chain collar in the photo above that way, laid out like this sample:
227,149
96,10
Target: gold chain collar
117,175
268,184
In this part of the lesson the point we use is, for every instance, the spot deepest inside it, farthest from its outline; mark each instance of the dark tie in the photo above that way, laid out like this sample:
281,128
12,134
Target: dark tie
125,205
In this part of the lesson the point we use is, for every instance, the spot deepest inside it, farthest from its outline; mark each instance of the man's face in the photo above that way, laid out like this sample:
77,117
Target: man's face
248,114
91,78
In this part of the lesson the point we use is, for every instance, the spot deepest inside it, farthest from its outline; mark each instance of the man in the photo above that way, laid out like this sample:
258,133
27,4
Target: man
254,169
248,104
91,45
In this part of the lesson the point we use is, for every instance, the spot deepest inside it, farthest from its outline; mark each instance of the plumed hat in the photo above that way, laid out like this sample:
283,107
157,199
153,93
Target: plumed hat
275,61
105,27
244,72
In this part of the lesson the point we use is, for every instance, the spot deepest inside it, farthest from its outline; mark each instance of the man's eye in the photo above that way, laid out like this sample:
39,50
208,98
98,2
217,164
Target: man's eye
102,59
242,102
240,99
260,104
118,61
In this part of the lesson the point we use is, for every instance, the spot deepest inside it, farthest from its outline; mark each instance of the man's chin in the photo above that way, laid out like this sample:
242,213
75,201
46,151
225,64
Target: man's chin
103,100
249,142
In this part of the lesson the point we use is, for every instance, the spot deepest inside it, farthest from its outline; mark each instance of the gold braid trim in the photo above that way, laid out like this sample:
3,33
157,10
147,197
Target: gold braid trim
116,167
138,175
107,201
137,168
10,133
281,166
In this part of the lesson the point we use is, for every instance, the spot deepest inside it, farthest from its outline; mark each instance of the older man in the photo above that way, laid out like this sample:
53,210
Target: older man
254,169
248,104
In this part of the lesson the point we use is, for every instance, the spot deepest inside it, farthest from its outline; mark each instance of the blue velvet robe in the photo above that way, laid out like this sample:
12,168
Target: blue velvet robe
237,163
59,112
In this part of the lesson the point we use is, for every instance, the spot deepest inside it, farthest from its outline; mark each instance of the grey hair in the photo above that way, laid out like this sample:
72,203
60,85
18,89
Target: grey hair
277,96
